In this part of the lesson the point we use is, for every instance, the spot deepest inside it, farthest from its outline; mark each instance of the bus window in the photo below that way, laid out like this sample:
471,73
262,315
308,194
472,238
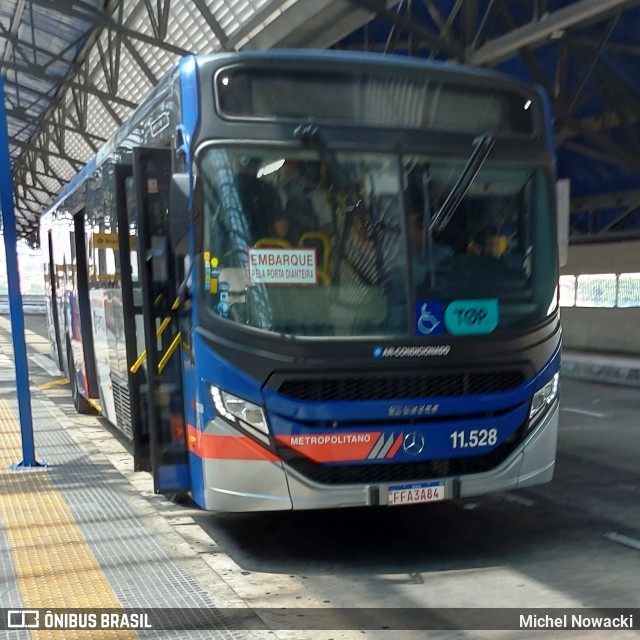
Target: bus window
288,243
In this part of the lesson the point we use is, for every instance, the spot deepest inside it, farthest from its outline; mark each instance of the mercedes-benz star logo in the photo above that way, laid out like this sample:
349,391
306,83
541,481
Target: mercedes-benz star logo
413,443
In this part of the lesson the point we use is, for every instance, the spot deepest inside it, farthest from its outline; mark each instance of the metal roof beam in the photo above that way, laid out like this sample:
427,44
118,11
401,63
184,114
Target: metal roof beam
439,20
110,59
29,90
539,31
46,152
97,17
604,201
571,102
394,33
159,17
36,72
144,67
469,21
112,112
611,236
26,198
14,28
42,188
218,31
412,27
60,56
628,122
527,56
20,45
16,44
33,191
619,84
620,219
562,66
483,22
603,156
620,116
51,175
621,47
602,141
94,141
32,172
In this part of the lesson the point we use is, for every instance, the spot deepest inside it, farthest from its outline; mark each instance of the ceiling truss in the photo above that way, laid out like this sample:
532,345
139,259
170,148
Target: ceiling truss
65,98
582,35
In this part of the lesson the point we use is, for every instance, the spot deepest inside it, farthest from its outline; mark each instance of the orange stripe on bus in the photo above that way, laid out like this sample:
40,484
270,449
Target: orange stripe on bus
396,446
207,445
332,447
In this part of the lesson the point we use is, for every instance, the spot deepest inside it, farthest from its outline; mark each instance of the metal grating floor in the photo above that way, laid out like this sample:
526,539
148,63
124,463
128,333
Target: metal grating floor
127,542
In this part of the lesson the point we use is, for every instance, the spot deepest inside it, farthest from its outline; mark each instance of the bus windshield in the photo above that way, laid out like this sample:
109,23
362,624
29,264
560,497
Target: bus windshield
291,249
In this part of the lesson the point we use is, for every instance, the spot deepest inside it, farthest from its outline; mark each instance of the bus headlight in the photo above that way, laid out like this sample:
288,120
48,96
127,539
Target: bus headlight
245,414
543,398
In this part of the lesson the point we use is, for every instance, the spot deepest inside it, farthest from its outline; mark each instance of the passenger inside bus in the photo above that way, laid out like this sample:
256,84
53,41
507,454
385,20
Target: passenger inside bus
423,255
302,196
259,198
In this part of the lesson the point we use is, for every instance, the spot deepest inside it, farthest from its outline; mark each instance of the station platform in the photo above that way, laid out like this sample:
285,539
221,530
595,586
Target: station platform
87,533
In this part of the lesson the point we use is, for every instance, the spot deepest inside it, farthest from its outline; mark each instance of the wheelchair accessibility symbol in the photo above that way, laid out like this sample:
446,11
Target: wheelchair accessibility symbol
429,318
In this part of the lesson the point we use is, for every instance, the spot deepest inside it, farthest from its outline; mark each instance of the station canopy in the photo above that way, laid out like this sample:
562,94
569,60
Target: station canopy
75,69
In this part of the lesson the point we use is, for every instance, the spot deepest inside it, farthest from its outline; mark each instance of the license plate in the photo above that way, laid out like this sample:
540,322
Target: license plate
415,493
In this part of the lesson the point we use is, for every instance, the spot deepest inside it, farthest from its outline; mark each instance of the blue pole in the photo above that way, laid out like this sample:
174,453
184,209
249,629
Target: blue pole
15,297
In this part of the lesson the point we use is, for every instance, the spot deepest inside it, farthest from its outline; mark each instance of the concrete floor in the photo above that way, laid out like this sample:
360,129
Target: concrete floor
572,543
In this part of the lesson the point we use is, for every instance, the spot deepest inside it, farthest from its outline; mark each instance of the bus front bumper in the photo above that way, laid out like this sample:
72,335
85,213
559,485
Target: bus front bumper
250,485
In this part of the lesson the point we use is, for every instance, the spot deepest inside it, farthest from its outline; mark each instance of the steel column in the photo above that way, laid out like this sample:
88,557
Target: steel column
15,297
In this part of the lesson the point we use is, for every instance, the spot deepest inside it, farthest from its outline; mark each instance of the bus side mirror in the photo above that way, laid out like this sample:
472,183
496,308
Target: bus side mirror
179,212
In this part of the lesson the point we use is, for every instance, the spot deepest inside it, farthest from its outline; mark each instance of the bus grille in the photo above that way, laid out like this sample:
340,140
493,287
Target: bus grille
401,387
400,472
122,403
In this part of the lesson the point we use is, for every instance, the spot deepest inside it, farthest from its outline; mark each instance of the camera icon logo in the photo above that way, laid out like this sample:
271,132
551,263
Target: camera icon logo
23,619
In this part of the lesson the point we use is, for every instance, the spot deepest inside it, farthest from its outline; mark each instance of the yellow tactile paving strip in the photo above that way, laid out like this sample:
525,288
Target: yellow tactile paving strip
54,383
52,561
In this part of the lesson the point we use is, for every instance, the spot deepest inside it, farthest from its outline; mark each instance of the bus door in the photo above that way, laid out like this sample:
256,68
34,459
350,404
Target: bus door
159,280
81,329
133,400
53,302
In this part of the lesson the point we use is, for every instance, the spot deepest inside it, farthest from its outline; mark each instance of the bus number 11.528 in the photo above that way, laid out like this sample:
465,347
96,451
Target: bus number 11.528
473,438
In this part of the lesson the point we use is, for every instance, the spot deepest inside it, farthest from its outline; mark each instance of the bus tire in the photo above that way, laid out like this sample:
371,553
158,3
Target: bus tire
79,401
180,497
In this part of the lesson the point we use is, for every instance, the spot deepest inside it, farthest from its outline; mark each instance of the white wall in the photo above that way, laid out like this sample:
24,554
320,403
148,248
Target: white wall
598,329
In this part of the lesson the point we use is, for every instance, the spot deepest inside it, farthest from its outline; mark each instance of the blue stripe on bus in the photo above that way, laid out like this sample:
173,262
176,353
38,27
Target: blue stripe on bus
214,369
358,411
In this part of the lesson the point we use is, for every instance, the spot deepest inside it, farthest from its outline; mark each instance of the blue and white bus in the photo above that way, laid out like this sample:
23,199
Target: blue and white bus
301,280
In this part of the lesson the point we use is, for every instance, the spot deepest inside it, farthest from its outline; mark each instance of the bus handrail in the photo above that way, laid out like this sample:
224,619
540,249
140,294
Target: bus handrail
159,331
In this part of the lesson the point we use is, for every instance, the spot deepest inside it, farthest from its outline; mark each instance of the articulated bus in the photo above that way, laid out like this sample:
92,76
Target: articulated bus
301,280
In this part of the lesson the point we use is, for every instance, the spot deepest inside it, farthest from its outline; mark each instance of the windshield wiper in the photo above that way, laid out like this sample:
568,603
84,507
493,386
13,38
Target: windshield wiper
311,137
482,148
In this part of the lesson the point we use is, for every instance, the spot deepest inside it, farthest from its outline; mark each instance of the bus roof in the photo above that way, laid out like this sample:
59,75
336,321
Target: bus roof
383,62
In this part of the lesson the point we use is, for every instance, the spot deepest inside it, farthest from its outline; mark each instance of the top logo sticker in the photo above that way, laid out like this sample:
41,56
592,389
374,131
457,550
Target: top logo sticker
472,317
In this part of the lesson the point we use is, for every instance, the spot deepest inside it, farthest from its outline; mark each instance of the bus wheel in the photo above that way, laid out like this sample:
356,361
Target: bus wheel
79,401
181,497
